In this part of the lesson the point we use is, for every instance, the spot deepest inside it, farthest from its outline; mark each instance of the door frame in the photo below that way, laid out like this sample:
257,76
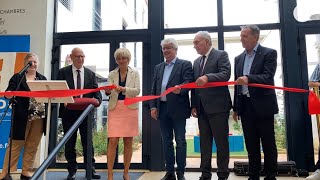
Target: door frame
113,38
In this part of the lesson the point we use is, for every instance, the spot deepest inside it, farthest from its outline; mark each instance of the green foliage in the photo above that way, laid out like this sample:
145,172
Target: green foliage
279,130
100,142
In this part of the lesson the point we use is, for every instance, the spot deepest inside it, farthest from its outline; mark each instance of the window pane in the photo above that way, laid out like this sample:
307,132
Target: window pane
97,60
98,15
307,10
313,58
268,38
260,12
191,13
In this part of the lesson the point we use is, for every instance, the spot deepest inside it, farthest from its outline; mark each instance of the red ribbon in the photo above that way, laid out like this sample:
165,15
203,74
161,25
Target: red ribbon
55,93
313,101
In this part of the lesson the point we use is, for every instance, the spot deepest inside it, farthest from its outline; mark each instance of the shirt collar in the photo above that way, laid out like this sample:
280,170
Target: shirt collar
75,69
207,54
254,49
172,62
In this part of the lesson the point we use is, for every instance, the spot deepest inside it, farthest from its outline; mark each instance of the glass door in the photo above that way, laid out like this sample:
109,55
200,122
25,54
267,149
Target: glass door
310,59
99,57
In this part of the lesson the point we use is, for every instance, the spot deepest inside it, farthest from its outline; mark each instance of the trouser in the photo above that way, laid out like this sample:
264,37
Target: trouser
173,128
33,134
68,120
258,129
214,126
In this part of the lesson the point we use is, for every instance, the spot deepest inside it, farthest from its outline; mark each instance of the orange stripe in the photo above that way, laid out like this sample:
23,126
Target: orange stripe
19,64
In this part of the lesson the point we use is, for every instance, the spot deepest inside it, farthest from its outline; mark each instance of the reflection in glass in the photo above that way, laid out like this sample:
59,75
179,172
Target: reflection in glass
96,59
313,59
195,13
98,15
250,12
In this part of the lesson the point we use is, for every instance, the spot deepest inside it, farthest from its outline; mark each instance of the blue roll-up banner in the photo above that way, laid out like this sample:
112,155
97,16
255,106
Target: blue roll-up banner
9,44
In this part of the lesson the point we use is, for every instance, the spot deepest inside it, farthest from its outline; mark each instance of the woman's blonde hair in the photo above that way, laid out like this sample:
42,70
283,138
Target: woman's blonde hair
29,55
122,52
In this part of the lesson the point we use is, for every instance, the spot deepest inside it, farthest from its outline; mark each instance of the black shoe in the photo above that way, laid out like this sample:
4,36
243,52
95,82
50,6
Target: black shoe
169,176
23,177
180,176
204,178
251,178
71,176
222,178
95,175
270,178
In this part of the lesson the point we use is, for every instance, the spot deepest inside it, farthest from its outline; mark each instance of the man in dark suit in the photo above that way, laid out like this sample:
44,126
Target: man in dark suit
211,105
173,109
77,77
256,106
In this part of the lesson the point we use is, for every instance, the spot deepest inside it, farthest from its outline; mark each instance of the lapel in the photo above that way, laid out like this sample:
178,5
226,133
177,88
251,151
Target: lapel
116,77
24,83
256,60
129,76
196,67
211,57
161,71
69,78
241,63
175,67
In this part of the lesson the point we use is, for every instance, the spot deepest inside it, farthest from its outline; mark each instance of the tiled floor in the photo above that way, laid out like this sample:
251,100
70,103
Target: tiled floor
195,176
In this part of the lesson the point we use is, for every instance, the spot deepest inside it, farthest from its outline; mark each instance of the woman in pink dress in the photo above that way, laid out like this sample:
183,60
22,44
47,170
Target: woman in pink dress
122,120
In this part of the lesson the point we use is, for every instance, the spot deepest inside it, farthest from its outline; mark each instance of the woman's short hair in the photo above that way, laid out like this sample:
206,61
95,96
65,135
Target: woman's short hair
28,56
122,52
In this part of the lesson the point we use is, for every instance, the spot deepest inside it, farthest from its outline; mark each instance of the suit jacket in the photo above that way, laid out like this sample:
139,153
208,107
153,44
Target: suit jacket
90,82
217,69
262,71
132,87
178,105
20,117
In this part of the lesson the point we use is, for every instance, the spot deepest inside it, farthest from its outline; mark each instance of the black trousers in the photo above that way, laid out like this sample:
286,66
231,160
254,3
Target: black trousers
68,119
214,126
256,129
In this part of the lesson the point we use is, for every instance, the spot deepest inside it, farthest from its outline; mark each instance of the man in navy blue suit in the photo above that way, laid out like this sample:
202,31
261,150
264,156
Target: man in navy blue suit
173,109
256,106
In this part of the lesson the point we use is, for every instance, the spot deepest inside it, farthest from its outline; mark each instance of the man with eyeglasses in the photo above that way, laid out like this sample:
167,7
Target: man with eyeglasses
77,77
173,109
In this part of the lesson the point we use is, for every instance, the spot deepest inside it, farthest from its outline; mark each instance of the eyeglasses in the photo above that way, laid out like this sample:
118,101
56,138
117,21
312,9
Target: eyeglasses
167,48
78,57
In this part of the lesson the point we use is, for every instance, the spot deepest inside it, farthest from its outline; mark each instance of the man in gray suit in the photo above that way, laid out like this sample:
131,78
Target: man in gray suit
211,105
173,109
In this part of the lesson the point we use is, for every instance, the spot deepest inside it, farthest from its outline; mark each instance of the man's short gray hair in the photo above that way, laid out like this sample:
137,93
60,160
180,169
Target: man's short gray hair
170,41
205,35
254,29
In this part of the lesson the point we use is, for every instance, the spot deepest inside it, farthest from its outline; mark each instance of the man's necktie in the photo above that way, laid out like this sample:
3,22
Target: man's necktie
202,65
78,80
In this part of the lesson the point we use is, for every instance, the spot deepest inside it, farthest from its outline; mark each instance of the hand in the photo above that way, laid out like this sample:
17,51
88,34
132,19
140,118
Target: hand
107,91
243,80
65,104
154,114
202,80
235,116
194,112
120,89
177,90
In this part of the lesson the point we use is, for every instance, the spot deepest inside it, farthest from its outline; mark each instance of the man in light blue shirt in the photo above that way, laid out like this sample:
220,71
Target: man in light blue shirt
173,109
